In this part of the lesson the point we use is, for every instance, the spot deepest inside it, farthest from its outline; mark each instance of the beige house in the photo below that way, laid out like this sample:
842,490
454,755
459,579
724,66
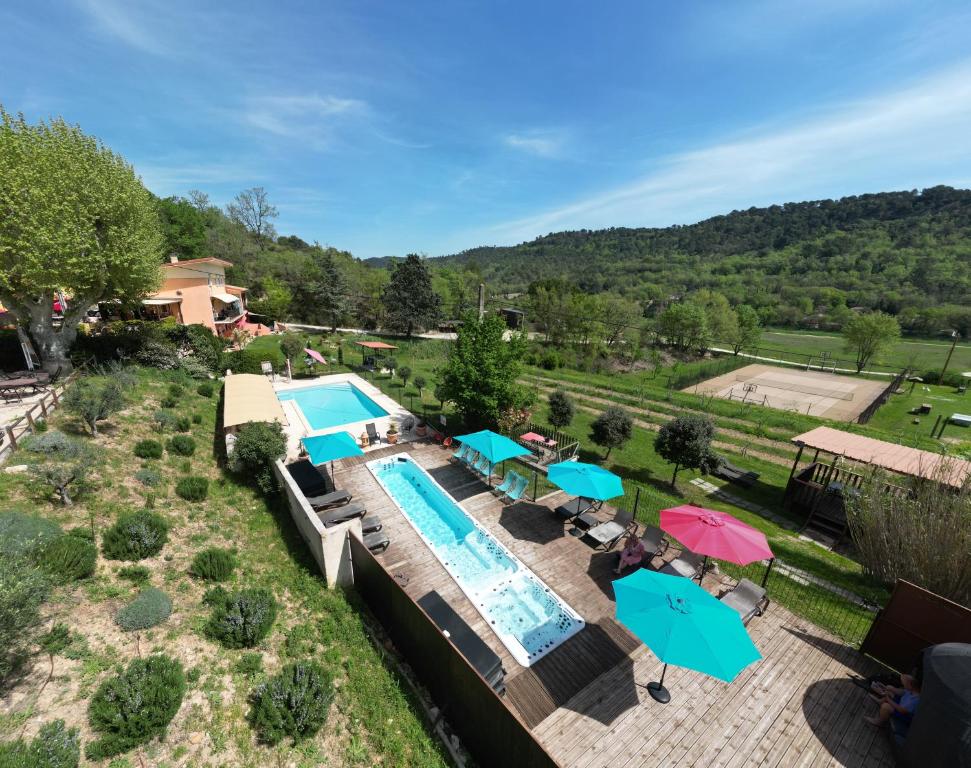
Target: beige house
196,292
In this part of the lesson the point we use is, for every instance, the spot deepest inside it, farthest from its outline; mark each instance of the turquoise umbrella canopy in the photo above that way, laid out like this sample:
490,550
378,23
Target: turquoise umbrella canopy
493,446
586,480
337,445
683,624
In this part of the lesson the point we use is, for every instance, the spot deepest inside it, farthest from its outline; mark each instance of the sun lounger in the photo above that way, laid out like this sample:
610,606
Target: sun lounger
728,471
310,480
748,598
371,524
507,483
520,486
328,500
654,543
342,514
377,542
461,452
687,564
483,466
574,508
372,434
470,458
608,534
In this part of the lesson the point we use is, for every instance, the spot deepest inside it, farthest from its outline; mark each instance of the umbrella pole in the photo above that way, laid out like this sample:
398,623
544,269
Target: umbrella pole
704,567
657,690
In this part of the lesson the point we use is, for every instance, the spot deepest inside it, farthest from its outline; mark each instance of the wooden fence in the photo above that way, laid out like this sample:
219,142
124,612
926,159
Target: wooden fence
872,408
24,425
489,729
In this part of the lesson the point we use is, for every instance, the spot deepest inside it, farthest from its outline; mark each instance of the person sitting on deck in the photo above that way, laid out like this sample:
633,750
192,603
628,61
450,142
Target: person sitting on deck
631,554
897,703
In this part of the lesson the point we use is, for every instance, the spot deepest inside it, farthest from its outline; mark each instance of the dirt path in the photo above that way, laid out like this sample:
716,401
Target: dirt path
583,391
719,444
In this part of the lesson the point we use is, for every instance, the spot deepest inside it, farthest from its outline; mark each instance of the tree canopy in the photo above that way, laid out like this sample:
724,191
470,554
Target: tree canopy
75,218
409,301
611,429
867,334
686,442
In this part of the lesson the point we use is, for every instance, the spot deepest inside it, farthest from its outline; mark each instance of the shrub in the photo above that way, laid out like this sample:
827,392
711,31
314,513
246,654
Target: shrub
22,590
82,532
69,461
205,389
136,574
66,558
293,703
197,418
158,354
192,488
165,420
182,445
561,409
55,746
40,425
56,640
148,477
250,663
148,449
194,368
250,360
135,535
136,706
152,606
183,424
213,564
19,533
242,619
94,401
258,445
176,391
168,402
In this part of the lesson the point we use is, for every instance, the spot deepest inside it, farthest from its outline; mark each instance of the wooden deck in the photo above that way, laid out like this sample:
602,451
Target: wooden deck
586,701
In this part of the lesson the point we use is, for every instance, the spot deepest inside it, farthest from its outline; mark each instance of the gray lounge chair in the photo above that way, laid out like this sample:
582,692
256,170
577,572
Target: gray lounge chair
328,500
608,534
687,564
372,434
728,471
654,543
342,514
748,598
377,542
574,508
371,524
310,480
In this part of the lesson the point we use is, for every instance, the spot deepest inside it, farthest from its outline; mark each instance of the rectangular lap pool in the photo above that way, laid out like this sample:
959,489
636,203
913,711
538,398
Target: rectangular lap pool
331,405
529,618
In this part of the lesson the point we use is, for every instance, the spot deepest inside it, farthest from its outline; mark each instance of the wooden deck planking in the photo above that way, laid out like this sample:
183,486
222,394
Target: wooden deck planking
770,716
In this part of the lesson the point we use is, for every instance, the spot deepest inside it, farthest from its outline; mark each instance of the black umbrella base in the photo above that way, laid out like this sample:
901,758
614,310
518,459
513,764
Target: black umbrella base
659,693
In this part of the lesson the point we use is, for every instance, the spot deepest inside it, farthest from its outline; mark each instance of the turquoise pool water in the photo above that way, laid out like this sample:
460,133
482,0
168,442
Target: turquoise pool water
529,618
331,405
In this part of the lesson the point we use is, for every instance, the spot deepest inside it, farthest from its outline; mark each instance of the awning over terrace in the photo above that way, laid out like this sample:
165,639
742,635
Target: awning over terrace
896,458
250,397
161,301
225,298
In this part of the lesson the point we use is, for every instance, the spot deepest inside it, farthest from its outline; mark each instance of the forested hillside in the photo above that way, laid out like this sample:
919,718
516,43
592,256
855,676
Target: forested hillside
803,264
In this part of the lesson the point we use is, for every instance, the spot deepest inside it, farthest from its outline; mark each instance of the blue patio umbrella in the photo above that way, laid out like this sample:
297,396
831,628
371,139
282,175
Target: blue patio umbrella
330,447
493,446
587,481
684,625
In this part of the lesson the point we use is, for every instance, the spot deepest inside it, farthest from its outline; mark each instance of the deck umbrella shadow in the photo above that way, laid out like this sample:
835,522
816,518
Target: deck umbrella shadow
458,481
527,521
601,571
827,705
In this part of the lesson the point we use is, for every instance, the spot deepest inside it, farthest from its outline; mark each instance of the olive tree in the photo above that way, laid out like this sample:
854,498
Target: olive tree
869,334
75,218
686,442
611,429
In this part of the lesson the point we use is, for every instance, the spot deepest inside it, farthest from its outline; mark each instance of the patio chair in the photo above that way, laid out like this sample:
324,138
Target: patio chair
748,598
687,564
574,508
310,480
377,541
728,471
460,453
342,514
372,434
483,466
371,524
516,492
470,458
608,534
654,543
328,500
507,483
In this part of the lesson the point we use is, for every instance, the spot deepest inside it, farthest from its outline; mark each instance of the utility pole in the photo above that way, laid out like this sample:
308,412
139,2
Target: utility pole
481,301
954,340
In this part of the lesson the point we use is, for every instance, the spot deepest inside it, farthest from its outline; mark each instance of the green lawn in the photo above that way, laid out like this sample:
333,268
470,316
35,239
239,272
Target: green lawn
895,418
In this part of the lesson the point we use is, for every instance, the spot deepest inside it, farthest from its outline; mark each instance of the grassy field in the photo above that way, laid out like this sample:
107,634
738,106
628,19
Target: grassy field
372,719
920,354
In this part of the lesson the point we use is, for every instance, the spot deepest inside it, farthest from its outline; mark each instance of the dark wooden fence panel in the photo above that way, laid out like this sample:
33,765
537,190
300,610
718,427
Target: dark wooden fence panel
489,729
912,620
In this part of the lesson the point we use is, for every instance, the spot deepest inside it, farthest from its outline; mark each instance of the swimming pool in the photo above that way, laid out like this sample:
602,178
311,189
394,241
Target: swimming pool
331,405
529,618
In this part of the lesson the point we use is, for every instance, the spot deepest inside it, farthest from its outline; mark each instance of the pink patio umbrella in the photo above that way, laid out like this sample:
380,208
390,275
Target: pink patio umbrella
314,355
715,534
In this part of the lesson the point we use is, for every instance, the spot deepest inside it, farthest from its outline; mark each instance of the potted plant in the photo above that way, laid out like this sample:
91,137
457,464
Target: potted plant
392,434
421,430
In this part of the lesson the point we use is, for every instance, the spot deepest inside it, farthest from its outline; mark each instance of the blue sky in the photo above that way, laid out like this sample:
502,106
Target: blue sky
386,128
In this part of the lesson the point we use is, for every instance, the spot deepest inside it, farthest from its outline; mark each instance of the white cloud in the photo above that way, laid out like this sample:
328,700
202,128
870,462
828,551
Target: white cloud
541,143
178,177
915,136
115,19
311,118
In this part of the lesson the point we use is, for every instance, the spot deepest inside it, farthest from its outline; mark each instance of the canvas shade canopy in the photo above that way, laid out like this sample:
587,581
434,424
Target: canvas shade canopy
683,625
585,480
250,397
330,447
493,446
715,534
374,345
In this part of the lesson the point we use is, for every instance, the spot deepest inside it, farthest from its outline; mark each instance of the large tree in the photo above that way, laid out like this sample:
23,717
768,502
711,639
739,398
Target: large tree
684,326
686,442
748,330
321,291
74,218
253,210
611,429
409,301
868,334
480,373
183,227
275,300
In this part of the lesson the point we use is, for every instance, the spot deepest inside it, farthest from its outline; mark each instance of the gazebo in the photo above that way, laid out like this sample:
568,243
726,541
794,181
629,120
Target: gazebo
819,489
375,348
